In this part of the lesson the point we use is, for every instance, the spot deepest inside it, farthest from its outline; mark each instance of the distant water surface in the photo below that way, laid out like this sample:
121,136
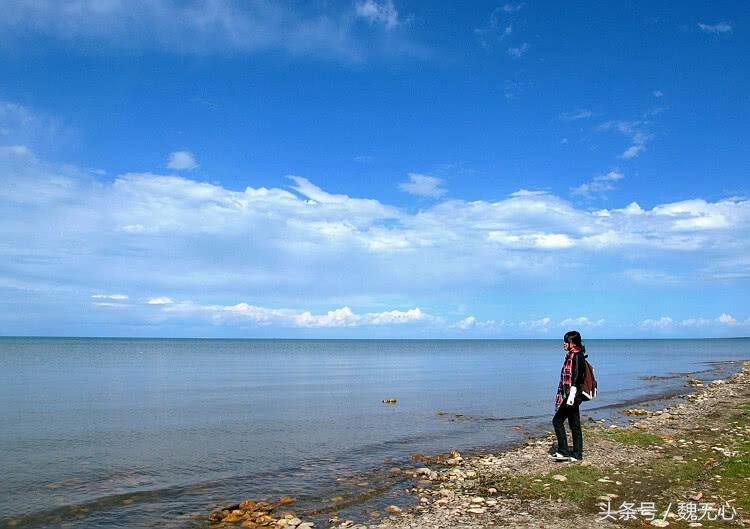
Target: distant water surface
153,433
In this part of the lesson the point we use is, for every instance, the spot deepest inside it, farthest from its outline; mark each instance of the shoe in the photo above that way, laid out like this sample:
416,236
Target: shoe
559,456
575,458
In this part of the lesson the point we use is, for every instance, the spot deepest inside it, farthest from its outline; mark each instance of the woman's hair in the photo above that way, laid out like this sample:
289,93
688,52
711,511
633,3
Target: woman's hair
574,338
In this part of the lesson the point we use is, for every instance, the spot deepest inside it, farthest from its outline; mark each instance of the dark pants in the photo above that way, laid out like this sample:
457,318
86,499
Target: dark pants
574,420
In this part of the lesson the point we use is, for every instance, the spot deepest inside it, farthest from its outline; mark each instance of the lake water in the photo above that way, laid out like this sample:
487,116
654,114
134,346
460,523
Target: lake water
154,433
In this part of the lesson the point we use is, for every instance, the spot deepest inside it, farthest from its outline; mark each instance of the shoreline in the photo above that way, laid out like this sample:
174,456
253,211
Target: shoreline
522,487
449,495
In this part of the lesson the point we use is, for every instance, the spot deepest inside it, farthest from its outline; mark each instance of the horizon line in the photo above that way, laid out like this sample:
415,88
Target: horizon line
51,337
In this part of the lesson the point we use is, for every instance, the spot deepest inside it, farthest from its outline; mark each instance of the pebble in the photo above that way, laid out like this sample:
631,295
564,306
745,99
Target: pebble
560,477
477,510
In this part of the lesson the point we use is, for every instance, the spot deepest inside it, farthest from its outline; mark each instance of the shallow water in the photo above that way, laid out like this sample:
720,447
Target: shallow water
154,433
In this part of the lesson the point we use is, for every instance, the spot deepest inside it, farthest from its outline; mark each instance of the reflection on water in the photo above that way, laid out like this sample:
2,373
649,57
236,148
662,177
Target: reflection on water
157,433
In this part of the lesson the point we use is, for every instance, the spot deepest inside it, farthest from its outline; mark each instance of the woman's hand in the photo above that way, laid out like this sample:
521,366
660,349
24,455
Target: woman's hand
571,396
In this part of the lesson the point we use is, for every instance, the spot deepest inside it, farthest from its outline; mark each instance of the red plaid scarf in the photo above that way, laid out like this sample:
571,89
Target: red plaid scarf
566,376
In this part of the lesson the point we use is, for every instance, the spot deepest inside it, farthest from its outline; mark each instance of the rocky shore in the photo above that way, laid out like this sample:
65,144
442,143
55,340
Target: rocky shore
687,465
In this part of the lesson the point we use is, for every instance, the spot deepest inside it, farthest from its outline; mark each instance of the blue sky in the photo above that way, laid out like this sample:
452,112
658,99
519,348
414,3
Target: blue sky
374,168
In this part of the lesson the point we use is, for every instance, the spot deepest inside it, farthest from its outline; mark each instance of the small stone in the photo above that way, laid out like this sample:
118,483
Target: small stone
423,471
492,490
478,499
477,510
659,523
559,477
393,509
295,521
608,497
636,411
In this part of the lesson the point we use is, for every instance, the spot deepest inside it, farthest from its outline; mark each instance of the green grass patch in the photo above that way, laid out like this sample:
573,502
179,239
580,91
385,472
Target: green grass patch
735,475
581,484
632,437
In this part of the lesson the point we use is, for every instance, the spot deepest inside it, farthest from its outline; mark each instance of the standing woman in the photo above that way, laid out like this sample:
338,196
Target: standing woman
568,400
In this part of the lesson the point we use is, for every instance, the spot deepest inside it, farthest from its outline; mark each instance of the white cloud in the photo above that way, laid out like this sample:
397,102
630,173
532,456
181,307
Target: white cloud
17,150
182,160
658,93
598,185
542,324
513,8
147,233
375,12
264,316
326,30
115,297
498,26
160,301
581,321
721,27
724,319
22,129
423,186
467,323
662,323
518,51
576,114
635,131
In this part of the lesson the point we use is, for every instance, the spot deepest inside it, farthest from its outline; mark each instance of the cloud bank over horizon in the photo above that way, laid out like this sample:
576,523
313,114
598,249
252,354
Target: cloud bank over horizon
160,238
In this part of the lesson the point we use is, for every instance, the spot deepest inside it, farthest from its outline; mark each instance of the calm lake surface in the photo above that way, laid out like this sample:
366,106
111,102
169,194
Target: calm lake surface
154,433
